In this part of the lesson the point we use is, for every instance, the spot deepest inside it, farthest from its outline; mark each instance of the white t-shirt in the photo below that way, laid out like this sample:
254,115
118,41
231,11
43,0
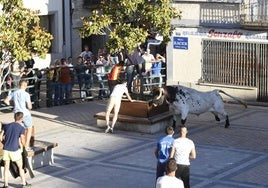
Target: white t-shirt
183,147
169,182
85,54
119,90
101,69
148,61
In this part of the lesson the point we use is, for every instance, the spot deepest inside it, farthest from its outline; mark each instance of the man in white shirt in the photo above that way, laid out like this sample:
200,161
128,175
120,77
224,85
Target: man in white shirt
182,150
169,180
85,54
115,103
100,73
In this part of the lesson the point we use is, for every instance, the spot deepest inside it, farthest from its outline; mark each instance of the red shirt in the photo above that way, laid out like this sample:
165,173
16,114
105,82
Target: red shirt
65,75
115,72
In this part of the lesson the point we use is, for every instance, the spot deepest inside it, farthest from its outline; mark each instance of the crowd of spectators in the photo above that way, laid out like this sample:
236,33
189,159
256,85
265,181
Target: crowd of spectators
12,71
102,71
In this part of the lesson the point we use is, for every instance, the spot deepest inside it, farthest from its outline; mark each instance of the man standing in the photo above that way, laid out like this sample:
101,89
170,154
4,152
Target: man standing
115,103
182,150
12,136
86,53
162,151
22,103
169,180
100,73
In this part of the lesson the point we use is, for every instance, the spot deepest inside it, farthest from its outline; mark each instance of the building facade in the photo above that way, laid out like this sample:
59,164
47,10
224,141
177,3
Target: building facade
216,44
55,17
82,8
221,44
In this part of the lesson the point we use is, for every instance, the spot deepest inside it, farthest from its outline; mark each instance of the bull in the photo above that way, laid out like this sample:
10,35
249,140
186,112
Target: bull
183,100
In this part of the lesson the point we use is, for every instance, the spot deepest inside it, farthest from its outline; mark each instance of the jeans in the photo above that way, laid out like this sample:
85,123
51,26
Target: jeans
158,80
114,60
65,93
54,93
130,75
88,83
101,91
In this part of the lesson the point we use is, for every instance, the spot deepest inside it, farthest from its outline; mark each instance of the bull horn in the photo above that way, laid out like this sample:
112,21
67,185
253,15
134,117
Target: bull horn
160,93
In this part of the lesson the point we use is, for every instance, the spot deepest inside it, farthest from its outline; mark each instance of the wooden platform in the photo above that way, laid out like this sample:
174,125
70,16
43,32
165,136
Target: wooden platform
148,125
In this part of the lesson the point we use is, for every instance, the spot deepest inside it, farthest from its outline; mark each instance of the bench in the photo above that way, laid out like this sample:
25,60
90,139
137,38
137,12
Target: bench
42,154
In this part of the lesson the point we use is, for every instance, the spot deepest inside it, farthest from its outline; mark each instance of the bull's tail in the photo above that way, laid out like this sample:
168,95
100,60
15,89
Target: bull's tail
236,99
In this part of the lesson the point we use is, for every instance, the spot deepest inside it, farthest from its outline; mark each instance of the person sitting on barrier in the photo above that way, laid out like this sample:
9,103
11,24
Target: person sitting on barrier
86,53
149,59
156,69
17,72
114,75
13,138
115,103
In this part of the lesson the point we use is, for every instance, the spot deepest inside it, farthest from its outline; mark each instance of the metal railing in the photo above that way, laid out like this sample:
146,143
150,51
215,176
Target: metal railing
89,89
230,63
242,64
254,13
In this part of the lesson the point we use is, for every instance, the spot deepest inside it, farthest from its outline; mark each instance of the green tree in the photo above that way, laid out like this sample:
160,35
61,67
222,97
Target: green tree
21,33
129,22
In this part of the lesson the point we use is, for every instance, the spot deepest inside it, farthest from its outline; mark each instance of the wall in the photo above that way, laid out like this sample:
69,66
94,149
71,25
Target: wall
50,7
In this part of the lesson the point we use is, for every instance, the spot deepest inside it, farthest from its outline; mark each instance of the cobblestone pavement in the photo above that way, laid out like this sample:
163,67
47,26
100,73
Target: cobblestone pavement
236,157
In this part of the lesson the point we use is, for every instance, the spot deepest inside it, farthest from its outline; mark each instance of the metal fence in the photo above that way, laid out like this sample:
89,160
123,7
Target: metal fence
236,63
42,95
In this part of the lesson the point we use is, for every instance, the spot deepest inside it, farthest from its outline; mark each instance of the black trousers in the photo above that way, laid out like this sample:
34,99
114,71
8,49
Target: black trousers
183,172
160,169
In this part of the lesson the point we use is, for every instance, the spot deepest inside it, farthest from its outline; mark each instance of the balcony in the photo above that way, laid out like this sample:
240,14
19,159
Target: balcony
254,14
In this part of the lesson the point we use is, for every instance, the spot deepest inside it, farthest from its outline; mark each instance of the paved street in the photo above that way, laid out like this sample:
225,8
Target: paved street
86,157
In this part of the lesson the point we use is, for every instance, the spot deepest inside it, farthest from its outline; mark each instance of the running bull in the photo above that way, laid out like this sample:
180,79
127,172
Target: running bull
183,100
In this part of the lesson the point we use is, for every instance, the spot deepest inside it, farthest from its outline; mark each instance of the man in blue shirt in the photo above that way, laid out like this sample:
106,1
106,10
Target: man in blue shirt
162,151
13,139
157,68
22,103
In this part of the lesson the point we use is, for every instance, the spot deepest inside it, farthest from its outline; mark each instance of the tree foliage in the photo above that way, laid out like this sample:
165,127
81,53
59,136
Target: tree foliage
128,22
20,31
21,34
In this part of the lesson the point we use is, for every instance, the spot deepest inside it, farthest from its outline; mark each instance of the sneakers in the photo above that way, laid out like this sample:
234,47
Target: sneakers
26,185
29,149
109,129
